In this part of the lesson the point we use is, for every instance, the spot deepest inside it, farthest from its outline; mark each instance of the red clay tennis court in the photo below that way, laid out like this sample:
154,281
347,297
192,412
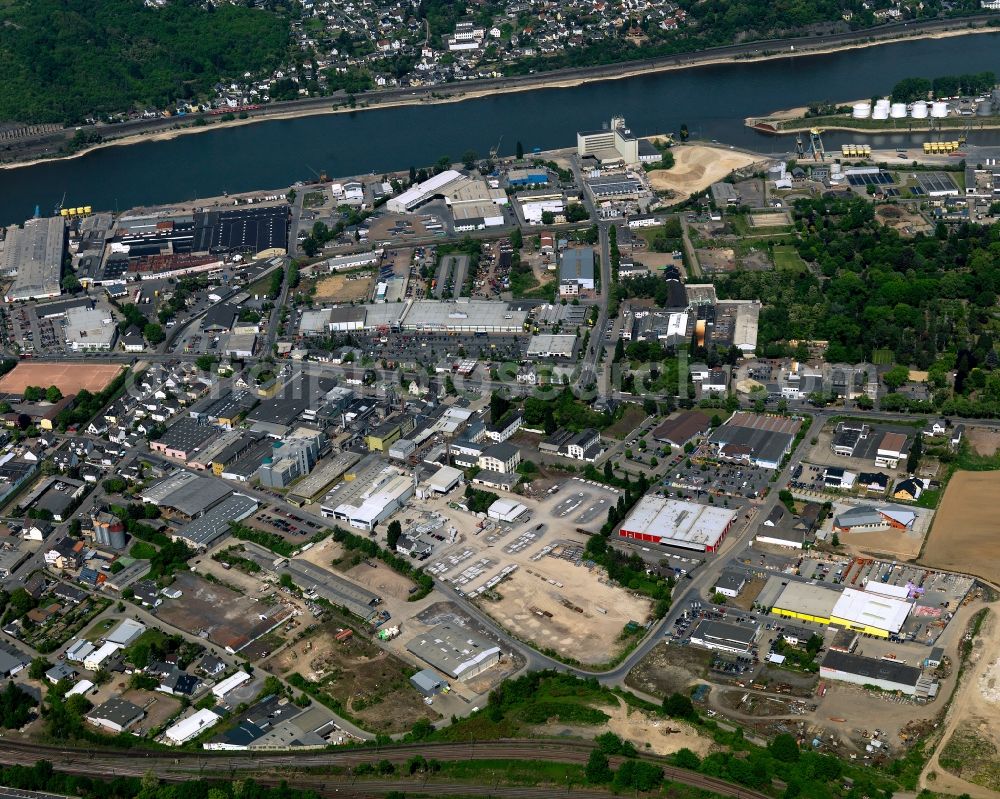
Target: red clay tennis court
70,378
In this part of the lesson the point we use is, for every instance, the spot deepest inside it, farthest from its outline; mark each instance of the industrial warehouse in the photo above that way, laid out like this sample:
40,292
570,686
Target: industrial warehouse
428,316
677,523
454,651
880,610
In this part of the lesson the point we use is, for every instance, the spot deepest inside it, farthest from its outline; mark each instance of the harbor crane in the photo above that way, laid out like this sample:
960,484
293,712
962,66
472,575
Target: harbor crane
496,150
816,144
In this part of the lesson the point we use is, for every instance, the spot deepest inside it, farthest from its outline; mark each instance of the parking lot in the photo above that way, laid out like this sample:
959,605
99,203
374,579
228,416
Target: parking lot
531,574
705,477
431,348
284,522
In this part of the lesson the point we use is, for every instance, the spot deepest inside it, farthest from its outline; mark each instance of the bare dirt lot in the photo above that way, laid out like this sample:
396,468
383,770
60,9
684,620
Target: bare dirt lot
663,736
227,617
965,535
716,260
659,260
381,579
771,219
968,760
984,441
669,669
906,224
696,167
324,553
345,288
70,378
894,543
568,617
371,684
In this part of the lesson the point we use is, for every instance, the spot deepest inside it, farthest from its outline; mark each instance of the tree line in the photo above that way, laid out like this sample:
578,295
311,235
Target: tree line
68,60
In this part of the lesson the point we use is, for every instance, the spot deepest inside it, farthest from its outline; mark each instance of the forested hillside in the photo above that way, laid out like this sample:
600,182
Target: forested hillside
63,60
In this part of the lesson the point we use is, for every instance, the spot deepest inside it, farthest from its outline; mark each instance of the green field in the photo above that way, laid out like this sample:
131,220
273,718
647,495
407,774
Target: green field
883,357
787,259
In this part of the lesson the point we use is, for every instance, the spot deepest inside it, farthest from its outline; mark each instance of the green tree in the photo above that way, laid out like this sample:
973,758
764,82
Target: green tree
598,771
393,534
896,377
16,707
38,668
205,362
916,452
685,758
153,333
53,394
783,747
678,706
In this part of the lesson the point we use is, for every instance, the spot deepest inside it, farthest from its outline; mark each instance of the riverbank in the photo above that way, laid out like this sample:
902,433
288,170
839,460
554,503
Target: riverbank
793,121
555,80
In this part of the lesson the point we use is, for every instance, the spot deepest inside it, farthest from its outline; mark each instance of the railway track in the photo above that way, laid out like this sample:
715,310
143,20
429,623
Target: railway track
271,769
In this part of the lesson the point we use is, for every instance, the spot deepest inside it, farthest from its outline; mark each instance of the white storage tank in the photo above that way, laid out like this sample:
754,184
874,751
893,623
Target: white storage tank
880,112
939,110
919,110
861,110
898,110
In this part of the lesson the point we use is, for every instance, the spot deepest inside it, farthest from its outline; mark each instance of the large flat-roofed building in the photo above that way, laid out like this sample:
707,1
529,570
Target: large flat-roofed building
90,330
420,193
385,496
183,438
204,531
677,523
576,271
724,194
869,613
456,316
863,519
186,495
888,675
33,256
261,232
746,325
550,345
758,439
455,651
332,587
806,601
116,715
682,427
738,639
615,143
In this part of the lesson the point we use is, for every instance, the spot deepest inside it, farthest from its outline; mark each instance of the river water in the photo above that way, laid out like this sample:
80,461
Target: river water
712,101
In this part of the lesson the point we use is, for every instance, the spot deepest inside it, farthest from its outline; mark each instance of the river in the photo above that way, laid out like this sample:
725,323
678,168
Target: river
712,101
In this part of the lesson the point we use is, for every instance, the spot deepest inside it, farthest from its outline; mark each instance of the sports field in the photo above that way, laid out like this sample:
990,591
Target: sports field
787,259
69,378
965,535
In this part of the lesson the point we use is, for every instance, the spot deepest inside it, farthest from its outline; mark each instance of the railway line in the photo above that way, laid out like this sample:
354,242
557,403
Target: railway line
305,768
